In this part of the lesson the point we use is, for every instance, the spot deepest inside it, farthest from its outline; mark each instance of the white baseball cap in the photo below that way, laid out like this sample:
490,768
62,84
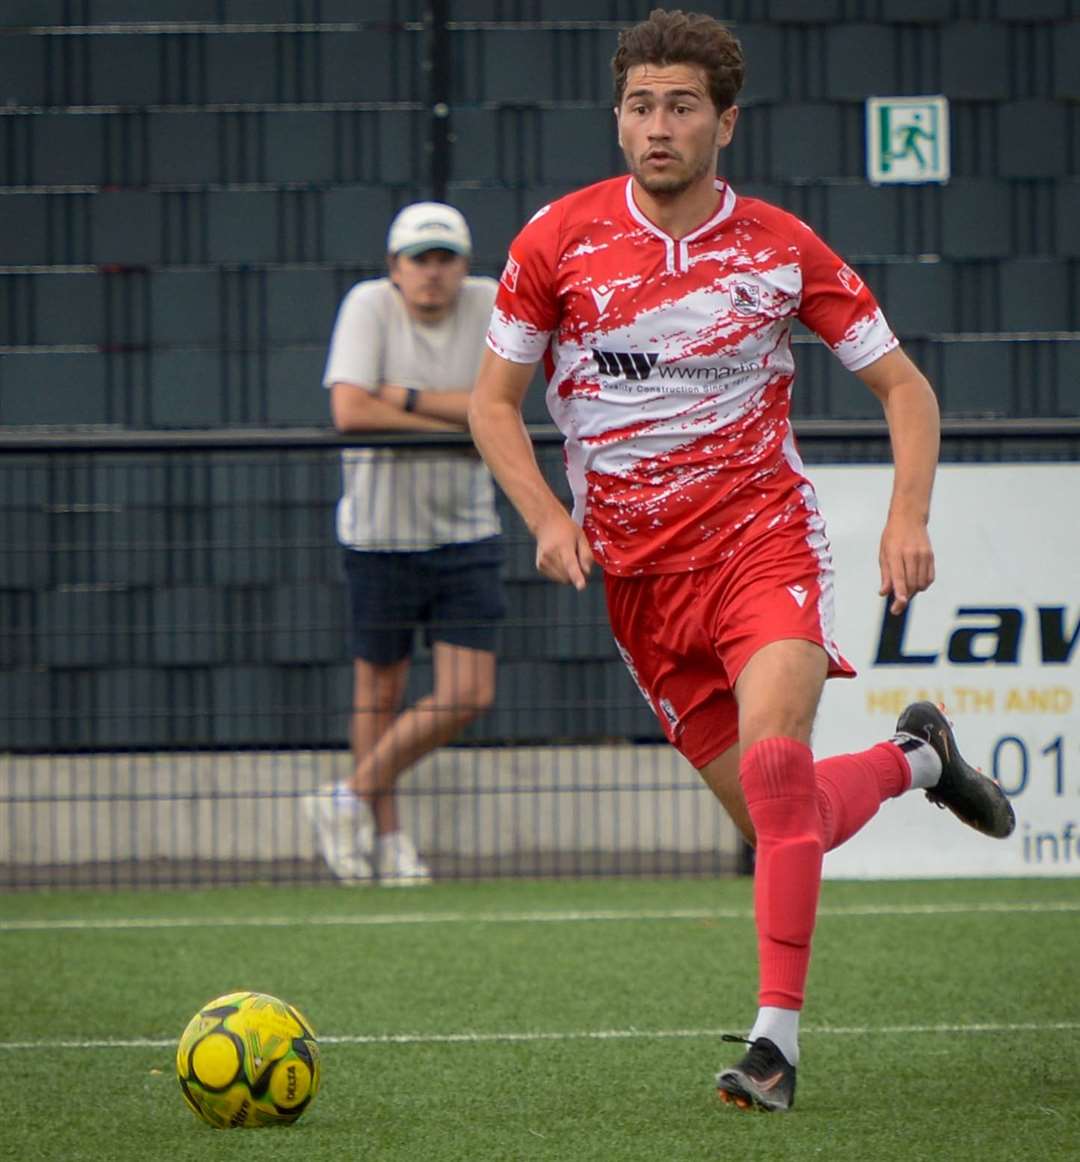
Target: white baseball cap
428,226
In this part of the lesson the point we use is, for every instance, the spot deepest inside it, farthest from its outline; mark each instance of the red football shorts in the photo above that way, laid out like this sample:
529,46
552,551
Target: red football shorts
685,637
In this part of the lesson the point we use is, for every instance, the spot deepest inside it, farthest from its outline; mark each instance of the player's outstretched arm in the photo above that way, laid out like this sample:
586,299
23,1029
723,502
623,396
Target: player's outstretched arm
911,411
562,552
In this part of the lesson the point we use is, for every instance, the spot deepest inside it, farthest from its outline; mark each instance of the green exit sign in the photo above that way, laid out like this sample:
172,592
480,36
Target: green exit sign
907,139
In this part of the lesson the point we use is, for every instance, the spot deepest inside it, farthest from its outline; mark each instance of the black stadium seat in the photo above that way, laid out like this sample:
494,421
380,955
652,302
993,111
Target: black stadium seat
1034,295
125,69
355,220
243,68
918,297
805,141
859,61
974,220
975,61
186,389
68,149
300,305
23,74
126,227
763,47
69,308
50,387
243,226
1031,139
185,308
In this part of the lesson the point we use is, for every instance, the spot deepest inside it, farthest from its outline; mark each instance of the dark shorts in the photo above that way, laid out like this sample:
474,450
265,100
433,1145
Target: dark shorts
454,592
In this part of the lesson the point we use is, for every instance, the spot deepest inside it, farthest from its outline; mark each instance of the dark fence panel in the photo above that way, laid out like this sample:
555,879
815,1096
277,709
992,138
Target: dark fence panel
185,199
186,590
180,596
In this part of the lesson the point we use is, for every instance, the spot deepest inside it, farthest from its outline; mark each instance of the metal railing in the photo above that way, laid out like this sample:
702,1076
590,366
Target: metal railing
174,672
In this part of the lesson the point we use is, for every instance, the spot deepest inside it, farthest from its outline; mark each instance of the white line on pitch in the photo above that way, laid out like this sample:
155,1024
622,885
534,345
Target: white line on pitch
404,918
495,1038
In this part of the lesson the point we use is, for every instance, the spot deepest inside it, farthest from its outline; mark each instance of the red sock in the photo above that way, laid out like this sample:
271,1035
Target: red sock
851,787
777,776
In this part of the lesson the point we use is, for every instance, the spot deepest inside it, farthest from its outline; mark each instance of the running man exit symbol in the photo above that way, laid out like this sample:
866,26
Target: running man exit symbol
907,139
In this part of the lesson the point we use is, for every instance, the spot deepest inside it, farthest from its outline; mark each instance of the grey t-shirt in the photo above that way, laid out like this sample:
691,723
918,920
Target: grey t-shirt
411,499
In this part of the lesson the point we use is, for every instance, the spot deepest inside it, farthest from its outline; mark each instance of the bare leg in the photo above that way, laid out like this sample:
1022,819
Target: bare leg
779,690
722,777
377,694
464,688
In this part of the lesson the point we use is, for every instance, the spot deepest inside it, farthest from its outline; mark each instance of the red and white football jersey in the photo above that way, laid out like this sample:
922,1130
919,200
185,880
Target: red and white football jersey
669,366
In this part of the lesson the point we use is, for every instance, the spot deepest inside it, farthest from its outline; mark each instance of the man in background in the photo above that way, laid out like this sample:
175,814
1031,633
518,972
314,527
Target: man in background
418,529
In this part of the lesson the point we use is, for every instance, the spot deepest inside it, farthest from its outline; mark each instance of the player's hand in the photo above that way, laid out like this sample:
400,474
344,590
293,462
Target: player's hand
906,559
562,551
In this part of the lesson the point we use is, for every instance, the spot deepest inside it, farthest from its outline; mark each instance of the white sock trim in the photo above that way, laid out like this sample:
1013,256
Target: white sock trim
922,760
781,1026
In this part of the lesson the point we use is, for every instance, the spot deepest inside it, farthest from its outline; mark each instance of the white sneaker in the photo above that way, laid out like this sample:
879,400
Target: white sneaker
345,829
399,865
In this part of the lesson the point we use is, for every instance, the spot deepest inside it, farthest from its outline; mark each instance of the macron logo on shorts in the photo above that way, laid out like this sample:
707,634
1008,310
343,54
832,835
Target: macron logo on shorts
799,593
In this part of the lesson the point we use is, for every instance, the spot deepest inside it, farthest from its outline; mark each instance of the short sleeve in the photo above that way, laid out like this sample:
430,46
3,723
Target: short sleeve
526,307
355,355
838,305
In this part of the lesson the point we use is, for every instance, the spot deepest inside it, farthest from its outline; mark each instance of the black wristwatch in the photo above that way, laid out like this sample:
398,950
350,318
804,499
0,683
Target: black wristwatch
412,397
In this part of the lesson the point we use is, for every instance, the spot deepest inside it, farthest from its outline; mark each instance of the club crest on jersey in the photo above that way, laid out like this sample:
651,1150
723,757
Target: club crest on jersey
745,298
510,274
849,280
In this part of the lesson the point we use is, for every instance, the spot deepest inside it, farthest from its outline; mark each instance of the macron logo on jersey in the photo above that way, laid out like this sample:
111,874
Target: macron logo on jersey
799,594
510,274
601,297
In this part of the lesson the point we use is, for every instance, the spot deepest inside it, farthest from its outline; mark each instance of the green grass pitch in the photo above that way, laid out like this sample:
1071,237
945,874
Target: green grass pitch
568,1021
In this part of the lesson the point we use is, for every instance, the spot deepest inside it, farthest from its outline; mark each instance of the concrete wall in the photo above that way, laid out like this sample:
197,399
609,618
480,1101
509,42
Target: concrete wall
471,808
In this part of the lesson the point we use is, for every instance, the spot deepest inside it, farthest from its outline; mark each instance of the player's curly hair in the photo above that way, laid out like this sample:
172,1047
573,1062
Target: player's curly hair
677,37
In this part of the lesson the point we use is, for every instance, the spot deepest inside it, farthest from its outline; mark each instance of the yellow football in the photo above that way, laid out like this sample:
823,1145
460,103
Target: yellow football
247,1060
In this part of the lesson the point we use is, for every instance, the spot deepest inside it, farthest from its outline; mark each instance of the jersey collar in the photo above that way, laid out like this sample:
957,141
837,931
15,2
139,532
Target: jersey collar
727,204
677,250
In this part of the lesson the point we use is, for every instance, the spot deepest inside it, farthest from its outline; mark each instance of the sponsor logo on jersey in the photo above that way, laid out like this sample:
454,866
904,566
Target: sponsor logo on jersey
510,274
745,298
849,280
625,364
678,378
799,594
